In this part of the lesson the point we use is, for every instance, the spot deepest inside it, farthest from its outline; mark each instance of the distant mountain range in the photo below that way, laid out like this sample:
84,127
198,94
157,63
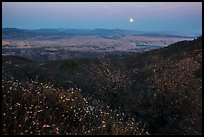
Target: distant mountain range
15,33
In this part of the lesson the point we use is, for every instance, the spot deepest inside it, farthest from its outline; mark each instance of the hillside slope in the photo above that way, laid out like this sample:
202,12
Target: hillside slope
161,88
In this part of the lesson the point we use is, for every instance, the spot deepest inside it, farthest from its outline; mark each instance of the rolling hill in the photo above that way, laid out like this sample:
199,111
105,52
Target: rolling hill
159,91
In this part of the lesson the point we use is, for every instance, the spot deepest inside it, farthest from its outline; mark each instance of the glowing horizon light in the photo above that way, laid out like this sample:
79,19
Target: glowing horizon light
131,20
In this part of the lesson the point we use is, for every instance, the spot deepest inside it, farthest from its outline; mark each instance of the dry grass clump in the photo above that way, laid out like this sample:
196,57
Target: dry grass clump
36,108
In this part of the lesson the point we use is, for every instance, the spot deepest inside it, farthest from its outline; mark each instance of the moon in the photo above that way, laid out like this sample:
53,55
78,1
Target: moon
131,20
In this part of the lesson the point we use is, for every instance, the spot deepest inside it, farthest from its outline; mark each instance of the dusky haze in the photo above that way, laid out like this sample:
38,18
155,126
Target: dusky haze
185,17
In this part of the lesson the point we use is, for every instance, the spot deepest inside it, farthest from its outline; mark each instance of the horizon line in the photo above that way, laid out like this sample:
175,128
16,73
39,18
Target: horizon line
164,31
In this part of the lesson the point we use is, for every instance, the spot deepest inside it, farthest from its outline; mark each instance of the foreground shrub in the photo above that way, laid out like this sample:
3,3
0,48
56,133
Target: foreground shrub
35,108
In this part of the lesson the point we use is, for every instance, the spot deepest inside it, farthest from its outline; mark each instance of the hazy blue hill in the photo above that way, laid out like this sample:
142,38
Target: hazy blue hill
15,33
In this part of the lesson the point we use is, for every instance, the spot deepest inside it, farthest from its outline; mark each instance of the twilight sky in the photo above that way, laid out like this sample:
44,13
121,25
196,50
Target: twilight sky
148,16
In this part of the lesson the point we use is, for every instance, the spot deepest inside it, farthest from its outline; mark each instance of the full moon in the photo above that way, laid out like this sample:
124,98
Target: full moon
131,20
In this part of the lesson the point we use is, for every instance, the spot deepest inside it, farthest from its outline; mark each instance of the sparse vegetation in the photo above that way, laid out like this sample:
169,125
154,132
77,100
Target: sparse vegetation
36,108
